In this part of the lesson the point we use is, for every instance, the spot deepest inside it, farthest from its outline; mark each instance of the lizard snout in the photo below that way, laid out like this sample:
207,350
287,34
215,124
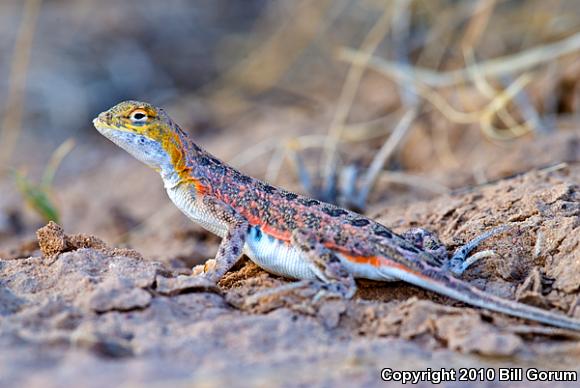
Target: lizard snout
101,122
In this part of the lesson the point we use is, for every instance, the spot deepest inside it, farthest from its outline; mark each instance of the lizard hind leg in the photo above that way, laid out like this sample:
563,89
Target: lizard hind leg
460,261
326,265
428,242
331,277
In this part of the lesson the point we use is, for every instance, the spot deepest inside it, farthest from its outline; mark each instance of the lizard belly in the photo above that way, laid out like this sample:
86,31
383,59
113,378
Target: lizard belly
276,256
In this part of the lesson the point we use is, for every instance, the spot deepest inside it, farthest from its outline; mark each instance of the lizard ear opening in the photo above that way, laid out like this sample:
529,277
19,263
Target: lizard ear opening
139,116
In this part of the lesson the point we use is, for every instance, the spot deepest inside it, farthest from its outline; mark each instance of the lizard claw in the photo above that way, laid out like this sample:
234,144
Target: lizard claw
200,269
460,260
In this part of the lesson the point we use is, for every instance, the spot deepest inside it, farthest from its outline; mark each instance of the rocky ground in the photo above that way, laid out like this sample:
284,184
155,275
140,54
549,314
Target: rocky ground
76,310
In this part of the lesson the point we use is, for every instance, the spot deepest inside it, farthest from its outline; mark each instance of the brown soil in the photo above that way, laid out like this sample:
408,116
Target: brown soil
75,309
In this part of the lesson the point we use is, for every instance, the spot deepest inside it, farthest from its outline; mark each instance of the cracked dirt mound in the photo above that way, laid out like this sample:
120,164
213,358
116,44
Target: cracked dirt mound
77,310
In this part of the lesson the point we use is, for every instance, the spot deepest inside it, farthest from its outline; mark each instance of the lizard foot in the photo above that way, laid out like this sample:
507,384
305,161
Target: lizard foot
200,269
201,277
460,260
304,296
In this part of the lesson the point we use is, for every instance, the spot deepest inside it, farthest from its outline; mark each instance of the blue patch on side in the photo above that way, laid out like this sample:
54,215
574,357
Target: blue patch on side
256,233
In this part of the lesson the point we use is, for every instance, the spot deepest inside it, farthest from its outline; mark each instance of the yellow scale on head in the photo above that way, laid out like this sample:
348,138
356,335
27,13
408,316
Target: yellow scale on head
144,119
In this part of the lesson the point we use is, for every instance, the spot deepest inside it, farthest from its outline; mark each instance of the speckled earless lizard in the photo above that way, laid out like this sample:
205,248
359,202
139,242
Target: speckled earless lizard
289,234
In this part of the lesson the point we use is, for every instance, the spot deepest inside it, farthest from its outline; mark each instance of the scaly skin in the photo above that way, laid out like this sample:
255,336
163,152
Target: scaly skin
286,233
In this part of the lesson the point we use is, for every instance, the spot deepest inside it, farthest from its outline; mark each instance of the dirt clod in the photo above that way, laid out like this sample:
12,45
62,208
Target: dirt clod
52,240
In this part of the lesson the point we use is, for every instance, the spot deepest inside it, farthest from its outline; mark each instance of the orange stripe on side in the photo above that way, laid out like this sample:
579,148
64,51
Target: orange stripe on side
375,261
379,261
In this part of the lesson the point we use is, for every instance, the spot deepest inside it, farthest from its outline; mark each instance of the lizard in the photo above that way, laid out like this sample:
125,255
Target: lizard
289,234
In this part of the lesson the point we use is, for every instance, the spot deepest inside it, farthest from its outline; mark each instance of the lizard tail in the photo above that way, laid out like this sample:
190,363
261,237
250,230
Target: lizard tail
441,282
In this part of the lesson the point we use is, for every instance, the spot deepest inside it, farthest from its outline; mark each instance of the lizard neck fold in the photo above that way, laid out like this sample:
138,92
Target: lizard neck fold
176,169
172,169
183,166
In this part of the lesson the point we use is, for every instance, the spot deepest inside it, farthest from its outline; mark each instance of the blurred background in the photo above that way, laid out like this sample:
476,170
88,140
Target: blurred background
366,103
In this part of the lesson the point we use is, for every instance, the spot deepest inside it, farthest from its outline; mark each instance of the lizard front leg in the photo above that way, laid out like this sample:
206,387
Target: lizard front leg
231,247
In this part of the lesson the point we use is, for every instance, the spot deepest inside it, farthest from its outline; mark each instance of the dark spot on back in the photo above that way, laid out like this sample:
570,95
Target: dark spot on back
269,189
384,233
290,196
244,179
334,211
359,222
203,161
193,145
235,250
214,160
308,202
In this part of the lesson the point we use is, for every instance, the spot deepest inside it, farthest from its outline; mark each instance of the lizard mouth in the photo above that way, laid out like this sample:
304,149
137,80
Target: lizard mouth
101,124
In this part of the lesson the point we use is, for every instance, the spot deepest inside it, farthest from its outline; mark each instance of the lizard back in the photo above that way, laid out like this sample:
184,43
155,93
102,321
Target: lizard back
277,212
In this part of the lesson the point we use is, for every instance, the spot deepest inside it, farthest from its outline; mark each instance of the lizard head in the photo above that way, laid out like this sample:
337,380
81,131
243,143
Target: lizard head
143,130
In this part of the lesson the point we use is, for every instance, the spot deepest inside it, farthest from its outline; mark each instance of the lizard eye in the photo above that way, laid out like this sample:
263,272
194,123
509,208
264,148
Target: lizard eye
138,116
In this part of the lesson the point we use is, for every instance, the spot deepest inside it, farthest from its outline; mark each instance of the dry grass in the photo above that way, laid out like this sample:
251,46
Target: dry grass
15,102
498,66
503,110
